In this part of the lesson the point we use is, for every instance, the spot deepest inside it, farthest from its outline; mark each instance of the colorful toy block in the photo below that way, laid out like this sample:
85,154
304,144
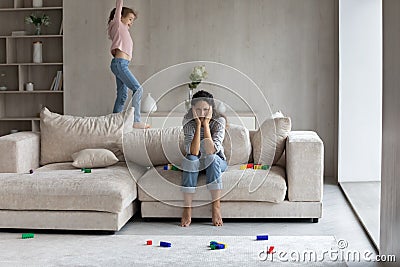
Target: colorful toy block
170,167
28,235
265,167
165,244
149,242
216,245
262,237
257,166
87,171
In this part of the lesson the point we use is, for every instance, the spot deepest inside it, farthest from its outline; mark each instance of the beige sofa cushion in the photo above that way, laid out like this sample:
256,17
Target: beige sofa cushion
63,135
60,186
269,140
237,146
154,146
238,185
93,158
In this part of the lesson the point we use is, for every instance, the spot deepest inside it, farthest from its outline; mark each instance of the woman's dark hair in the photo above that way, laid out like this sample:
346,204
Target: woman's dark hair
209,98
125,11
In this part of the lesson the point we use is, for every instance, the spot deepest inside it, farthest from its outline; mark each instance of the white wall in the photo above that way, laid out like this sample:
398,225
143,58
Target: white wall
390,205
360,90
286,46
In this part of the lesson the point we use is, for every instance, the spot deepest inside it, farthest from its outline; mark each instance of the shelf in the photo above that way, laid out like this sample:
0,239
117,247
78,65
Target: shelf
32,64
33,36
30,9
32,92
19,119
19,109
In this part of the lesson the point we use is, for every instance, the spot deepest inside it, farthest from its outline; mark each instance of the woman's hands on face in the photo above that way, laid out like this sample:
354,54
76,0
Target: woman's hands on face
208,117
196,118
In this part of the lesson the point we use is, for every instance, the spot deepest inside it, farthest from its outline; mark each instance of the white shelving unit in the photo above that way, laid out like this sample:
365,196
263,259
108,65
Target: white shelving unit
19,109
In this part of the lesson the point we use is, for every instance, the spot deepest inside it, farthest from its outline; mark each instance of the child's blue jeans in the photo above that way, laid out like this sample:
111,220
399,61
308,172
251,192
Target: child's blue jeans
125,80
214,166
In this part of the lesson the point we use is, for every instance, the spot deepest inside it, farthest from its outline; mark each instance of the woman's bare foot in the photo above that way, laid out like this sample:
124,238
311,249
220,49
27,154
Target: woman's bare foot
186,217
216,214
140,125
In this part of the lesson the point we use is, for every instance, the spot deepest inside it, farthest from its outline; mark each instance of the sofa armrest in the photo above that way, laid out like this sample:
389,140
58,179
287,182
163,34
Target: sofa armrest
304,166
20,152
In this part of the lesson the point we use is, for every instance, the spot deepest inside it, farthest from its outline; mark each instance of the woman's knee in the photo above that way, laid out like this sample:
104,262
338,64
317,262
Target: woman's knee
190,163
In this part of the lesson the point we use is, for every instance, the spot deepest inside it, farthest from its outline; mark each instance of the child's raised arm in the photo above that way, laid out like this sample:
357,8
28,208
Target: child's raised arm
118,10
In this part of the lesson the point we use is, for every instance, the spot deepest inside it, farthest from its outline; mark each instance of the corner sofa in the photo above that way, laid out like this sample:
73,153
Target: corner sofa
59,196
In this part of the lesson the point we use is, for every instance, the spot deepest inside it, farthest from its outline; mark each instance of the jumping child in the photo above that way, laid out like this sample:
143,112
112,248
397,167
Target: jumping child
120,21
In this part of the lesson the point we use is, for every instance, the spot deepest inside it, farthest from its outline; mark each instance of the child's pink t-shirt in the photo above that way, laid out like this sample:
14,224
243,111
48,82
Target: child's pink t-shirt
119,33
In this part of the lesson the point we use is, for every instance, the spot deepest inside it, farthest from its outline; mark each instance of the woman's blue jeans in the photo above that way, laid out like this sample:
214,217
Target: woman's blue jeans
125,80
214,166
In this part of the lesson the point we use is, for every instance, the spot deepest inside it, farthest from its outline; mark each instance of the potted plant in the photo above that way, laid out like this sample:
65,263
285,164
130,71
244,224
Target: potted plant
38,21
198,74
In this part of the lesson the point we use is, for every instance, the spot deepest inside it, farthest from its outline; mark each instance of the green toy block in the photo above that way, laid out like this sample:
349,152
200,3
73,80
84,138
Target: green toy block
88,170
265,167
174,168
28,235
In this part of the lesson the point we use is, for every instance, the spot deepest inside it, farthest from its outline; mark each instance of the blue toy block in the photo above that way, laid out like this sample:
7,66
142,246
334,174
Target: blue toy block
165,244
262,237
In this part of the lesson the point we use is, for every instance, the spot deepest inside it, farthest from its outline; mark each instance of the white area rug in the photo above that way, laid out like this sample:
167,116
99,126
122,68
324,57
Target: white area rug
131,250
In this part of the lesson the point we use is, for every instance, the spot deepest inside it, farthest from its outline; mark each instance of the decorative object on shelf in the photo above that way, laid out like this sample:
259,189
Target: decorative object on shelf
37,3
18,33
29,86
38,21
148,104
13,131
3,86
37,52
198,74
221,107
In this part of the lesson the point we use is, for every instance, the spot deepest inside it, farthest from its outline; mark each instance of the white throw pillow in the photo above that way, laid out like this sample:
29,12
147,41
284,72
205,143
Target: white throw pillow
63,135
269,140
93,158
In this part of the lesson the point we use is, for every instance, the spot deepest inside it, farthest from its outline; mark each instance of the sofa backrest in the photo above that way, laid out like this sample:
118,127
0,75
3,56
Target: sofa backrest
160,146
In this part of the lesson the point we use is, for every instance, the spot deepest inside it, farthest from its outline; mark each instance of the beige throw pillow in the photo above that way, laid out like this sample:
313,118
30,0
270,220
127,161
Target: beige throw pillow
269,140
93,158
63,135
154,146
237,146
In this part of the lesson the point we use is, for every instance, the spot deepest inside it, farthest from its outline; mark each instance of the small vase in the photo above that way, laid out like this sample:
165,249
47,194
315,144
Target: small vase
187,105
37,52
38,29
37,3
148,104
221,107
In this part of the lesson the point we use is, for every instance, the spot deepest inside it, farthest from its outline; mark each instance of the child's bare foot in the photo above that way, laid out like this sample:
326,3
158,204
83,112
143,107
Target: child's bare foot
186,217
216,214
140,125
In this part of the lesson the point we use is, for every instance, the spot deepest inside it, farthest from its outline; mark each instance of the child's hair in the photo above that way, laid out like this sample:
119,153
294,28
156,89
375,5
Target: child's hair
125,11
209,98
